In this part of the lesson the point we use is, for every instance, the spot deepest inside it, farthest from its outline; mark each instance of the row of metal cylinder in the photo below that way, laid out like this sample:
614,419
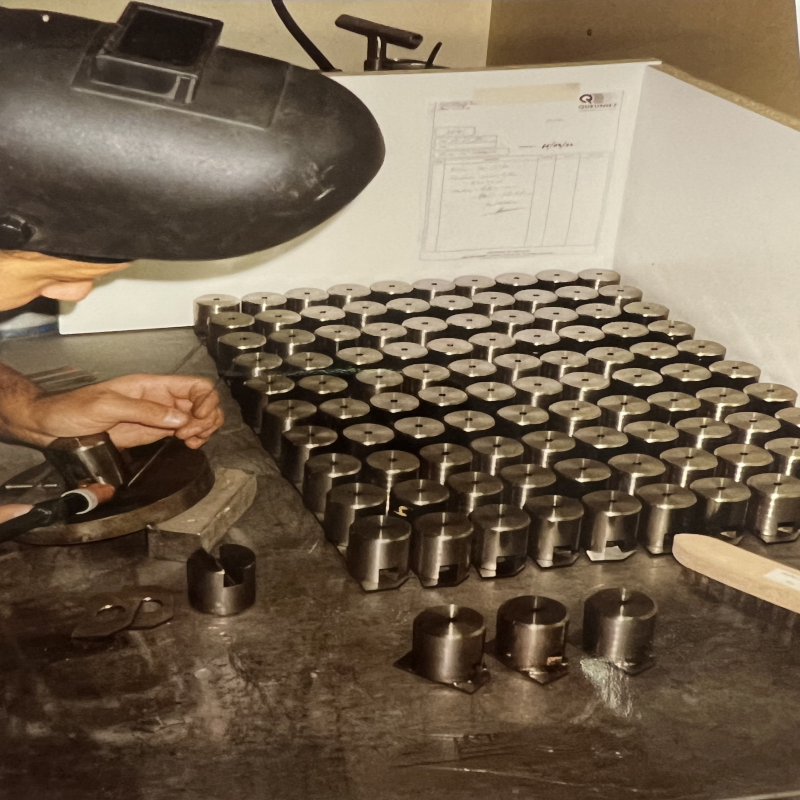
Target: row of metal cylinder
449,642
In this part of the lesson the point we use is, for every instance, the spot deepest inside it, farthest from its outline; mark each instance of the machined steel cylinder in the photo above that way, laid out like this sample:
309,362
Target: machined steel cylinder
343,293
513,366
445,350
489,396
671,407
701,351
638,382
734,374
299,444
307,363
436,401
545,448
689,378
610,523
597,278
620,294
232,345
209,304
703,432
445,306
554,535
536,342
88,459
671,331
575,295
586,386
500,540
789,419
470,285
532,299
606,361
378,334
383,291
439,461
256,302
492,453
321,473
488,302
222,585
538,391
649,354
315,317
531,637
319,389
523,481
369,382
651,438
721,509
275,319
388,407
468,324
225,323
632,470
769,398
404,308
364,438
470,490
517,420
786,453
289,341
576,477
378,552
355,359
552,279
774,511
667,509
441,545
569,416
489,345
414,433
515,281
600,443
581,338
385,468
623,334
417,377
644,313
598,314
464,426
554,318
305,296
254,365
256,393
558,363
428,288
359,313
618,626
618,410
279,417
742,461
753,427
511,321
423,330
719,402
467,371
688,464
411,499
347,503
342,412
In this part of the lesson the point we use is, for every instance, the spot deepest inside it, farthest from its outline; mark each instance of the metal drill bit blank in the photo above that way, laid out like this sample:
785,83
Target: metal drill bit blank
555,278
513,366
207,305
464,426
671,331
555,529
423,330
232,345
383,291
538,391
412,498
321,473
597,278
554,318
671,407
617,410
341,412
492,453
721,509
523,481
752,427
632,470
720,402
279,417
489,345
488,302
399,355
298,299
534,342
500,540
624,334
333,338
618,627
469,370
701,351
688,464
361,312
786,453
610,522
652,438
600,443
289,341
742,461
446,305
469,490
364,438
586,386
385,468
558,363
417,377
644,313
470,285
511,322
347,503
299,444
441,545
639,382
378,552
531,300
321,388
545,448
581,338
428,288
402,309
667,509
414,433
256,302
597,314
358,358
378,334
343,293
620,294
574,295
576,477
315,317
703,432
369,382
774,510
517,420
570,415
734,374
514,280
769,398
439,461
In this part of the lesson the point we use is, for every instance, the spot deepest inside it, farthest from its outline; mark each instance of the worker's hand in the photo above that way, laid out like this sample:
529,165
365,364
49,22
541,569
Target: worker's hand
133,410
12,511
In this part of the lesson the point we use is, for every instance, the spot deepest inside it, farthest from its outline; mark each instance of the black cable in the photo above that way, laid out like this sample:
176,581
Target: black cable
313,51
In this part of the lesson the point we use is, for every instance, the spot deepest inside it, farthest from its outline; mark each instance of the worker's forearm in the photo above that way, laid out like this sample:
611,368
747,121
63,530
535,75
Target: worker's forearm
17,401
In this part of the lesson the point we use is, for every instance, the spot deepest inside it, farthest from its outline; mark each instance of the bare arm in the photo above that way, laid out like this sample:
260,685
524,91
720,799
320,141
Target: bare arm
17,398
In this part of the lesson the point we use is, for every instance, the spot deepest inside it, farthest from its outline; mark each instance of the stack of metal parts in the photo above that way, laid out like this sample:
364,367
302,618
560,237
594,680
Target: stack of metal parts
488,421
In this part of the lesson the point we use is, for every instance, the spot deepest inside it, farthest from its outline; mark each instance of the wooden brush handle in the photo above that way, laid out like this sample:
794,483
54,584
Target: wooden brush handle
747,572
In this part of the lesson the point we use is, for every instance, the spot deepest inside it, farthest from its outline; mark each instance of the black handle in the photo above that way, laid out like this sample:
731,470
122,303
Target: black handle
40,515
395,36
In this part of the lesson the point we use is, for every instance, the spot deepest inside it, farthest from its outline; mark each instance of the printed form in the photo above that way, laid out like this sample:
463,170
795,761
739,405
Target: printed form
519,178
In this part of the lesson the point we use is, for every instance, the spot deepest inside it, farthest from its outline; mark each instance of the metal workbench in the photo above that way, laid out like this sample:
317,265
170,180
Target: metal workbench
298,698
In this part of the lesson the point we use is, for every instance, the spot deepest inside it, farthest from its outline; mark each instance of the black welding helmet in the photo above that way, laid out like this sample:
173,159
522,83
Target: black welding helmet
144,139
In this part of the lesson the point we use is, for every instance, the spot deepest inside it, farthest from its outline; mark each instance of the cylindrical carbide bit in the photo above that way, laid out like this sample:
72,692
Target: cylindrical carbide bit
610,521
538,391
343,293
701,351
624,334
440,548
388,407
742,461
299,444
470,370
774,511
786,453
489,302
667,509
446,350
369,382
734,374
364,438
275,319
439,461
207,305
535,342
468,324
586,386
630,471
523,481
554,318
347,503
489,396
703,432
644,313
232,345
555,530
385,468
383,291
470,285
531,300
514,280
617,410
513,366
638,382
289,341
469,490
414,433
769,398
279,417
651,438
489,345
321,388
321,474
568,416
511,321
428,288
618,626
671,331
258,392
517,420
752,427
575,295
437,400
226,322
355,359
649,354
492,453
606,361
464,426
600,442
342,412
378,334
298,299
721,509
683,377
500,540
362,312
424,330
545,448
412,498
420,376
402,309
378,552
687,464
597,278
315,317
553,279
576,477
445,306
671,407
620,294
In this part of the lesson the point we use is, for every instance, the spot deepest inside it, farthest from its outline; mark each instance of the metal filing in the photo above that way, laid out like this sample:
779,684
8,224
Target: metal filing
752,427
414,433
734,374
786,453
555,530
378,334
500,540
617,410
545,448
388,407
446,350
574,296
513,366
555,278
343,293
379,551
671,331
470,285
464,426
606,361
514,280
315,317
667,509
438,400
404,308
688,464
298,299
492,453
531,637
299,444
490,345
511,322
624,334
586,386
385,468
369,382
531,300
769,398
600,443
417,377
721,509
610,522
651,438
597,314
553,318
568,416
470,370
534,342
279,417
321,473
285,343
383,291
224,323
469,490
689,378
576,477
445,306
411,499
523,481
703,432
489,302
631,471
428,288
321,388
341,412
742,461
232,345
539,392
701,351
489,396
774,510
644,313
671,407
620,294
361,312
423,330
447,648
364,438
517,420
638,382
597,278
357,358
618,627
441,546
275,319
439,461
347,503
209,304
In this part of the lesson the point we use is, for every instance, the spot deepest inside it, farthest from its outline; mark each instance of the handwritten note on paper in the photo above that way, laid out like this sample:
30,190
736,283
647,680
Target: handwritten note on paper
519,178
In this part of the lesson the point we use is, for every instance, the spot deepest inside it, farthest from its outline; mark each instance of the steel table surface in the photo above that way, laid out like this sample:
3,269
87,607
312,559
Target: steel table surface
298,698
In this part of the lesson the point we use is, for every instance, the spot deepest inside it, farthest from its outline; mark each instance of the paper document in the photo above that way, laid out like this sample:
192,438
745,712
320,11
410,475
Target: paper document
518,178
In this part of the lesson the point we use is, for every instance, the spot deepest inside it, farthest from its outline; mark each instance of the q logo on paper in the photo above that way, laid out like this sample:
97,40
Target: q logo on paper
586,98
